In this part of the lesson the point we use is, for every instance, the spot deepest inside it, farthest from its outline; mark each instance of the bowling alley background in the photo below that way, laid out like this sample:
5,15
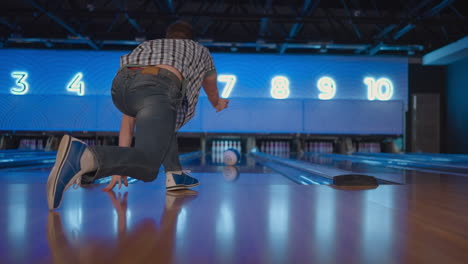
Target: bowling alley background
314,84
321,95
306,102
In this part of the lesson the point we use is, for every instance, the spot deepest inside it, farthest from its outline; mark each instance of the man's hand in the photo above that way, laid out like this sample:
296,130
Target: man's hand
116,179
222,104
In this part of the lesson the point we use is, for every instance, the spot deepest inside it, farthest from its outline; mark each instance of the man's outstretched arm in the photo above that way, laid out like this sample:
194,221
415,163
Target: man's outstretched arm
211,89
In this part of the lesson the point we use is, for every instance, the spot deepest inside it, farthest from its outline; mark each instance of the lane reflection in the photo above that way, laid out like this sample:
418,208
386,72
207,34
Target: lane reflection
17,197
142,242
278,224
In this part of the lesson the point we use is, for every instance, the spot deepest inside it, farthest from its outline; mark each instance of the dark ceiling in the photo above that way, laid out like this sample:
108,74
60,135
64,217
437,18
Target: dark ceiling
277,26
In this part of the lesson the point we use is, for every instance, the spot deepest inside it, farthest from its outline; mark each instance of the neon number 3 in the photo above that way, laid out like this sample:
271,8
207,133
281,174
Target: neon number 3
23,86
76,84
279,87
230,81
382,89
328,88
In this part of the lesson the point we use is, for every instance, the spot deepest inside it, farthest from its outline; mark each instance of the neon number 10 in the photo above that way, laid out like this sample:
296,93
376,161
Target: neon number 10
328,88
279,87
382,89
230,81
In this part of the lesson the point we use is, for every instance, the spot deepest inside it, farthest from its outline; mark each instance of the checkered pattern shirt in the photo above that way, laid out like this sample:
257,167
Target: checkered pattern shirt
191,59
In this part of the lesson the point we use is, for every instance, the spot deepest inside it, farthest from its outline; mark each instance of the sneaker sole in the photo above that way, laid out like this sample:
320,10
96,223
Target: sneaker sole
62,153
181,187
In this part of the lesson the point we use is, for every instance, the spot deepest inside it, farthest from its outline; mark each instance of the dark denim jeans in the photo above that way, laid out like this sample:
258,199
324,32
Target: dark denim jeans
153,100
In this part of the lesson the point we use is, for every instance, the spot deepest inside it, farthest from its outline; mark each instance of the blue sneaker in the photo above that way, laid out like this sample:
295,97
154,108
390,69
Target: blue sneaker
66,170
180,181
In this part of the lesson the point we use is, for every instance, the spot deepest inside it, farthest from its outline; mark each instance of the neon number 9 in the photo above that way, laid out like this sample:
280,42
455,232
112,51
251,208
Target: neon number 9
230,81
382,89
279,87
328,88
23,86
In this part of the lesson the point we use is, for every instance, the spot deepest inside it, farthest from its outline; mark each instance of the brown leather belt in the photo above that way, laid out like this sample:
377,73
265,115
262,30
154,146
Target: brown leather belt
154,70
147,69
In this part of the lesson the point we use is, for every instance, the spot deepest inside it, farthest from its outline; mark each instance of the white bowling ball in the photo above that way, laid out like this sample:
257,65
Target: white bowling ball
231,157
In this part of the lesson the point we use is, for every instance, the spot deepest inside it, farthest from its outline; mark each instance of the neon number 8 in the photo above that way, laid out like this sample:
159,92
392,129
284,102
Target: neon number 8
382,89
328,88
279,87
230,81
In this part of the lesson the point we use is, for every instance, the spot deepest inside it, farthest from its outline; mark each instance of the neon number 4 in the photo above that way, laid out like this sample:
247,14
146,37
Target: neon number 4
328,88
23,86
382,89
279,87
230,81
76,84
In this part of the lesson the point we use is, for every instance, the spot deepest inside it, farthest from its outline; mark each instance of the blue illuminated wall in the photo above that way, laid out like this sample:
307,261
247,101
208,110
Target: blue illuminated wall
309,77
457,107
70,90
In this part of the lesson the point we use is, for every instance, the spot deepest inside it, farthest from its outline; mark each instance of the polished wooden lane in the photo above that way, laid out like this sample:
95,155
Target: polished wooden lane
257,218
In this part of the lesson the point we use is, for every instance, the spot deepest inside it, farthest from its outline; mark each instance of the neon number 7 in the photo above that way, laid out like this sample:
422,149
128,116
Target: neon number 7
76,84
230,81
21,82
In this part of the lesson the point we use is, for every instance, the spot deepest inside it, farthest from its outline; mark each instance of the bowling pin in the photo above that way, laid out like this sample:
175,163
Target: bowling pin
218,145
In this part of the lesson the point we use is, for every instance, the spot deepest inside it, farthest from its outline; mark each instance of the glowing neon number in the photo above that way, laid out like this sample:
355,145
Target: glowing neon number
230,81
328,88
21,82
382,89
76,85
279,87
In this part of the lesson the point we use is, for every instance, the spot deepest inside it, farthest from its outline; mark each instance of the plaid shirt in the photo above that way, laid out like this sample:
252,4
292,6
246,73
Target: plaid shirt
190,58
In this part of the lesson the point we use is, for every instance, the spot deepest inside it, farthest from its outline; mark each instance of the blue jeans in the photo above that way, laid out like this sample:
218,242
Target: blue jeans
153,100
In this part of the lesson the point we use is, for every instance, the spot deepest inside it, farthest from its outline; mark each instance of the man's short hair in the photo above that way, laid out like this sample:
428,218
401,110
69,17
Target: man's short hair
179,30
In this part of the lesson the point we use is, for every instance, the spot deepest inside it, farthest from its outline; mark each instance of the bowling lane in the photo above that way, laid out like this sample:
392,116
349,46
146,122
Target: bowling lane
209,169
452,159
380,170
259,217
247,171
249,220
